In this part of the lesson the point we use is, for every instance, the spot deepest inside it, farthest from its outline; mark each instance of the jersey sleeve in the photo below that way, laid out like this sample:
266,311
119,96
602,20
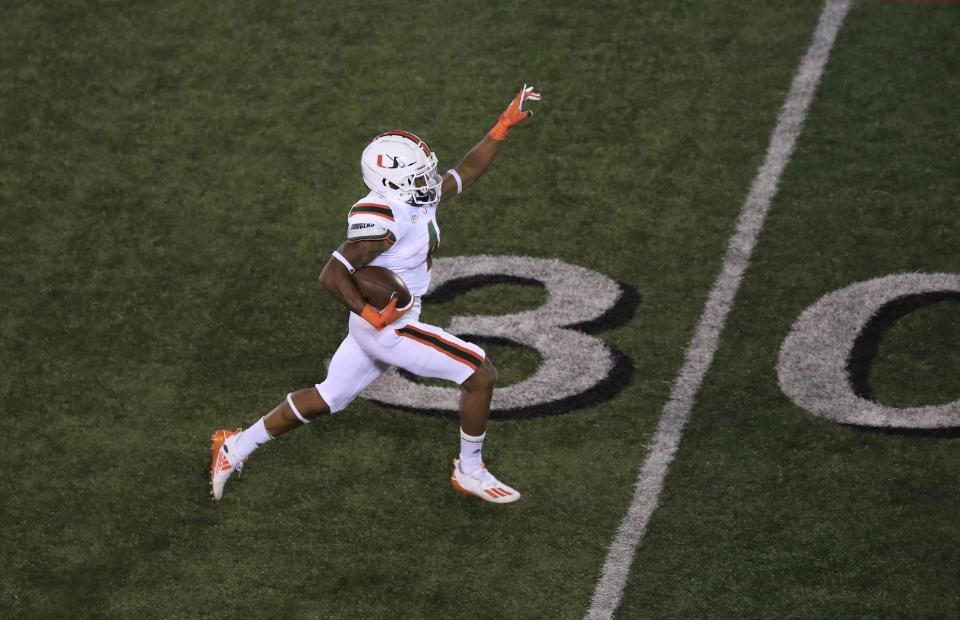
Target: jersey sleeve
371,222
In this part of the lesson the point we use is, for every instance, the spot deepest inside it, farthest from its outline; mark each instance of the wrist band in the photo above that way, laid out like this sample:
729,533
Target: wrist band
456,177
346,263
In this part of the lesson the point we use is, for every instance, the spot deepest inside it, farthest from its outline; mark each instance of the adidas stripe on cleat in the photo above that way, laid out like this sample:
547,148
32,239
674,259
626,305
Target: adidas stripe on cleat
482,484
223,463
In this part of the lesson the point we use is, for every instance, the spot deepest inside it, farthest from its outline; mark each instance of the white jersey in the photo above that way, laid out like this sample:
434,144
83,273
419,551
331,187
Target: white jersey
413,230
419,348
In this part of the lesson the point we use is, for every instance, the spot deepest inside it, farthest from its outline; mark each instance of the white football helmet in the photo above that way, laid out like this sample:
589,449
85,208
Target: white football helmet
399,165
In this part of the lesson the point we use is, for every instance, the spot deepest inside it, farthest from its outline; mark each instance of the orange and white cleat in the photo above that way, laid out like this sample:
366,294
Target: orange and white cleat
483,484
224,462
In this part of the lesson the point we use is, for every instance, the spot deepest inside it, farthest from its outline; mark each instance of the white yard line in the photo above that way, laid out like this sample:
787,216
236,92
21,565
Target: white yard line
699,354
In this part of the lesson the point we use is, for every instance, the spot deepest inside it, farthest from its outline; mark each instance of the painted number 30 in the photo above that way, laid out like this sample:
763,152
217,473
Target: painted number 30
577,369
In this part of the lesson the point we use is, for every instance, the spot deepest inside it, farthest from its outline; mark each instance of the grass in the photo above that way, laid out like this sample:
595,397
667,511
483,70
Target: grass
772,512
172,178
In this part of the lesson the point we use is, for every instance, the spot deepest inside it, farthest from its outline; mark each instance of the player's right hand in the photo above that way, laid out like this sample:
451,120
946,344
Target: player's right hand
514,113
388,315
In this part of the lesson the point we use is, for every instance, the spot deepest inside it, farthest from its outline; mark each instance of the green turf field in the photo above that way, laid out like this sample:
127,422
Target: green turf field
174,175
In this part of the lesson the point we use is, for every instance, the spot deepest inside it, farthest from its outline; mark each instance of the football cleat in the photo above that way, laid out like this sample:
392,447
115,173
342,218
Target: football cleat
483,484
224,463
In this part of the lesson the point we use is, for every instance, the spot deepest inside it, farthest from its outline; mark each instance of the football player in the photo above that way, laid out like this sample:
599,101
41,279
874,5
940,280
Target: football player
394,226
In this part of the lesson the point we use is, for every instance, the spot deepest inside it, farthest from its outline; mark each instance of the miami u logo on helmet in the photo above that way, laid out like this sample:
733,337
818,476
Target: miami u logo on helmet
389,161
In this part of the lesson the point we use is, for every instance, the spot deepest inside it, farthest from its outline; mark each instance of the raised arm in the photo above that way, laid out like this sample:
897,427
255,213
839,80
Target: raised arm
479,158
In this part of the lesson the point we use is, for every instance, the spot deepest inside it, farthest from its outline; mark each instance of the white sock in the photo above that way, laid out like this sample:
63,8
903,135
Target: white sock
252,438
471,452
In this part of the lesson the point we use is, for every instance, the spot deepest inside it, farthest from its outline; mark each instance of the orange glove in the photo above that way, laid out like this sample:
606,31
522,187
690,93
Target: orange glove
514,113
388,315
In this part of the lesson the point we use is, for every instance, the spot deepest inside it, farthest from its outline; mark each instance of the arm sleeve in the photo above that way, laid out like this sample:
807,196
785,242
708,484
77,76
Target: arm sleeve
370,227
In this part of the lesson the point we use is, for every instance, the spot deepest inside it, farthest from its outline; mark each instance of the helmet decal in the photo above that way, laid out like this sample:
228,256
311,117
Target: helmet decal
408,136
393,161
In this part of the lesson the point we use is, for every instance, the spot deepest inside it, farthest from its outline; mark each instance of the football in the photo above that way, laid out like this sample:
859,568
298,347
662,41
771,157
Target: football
377,284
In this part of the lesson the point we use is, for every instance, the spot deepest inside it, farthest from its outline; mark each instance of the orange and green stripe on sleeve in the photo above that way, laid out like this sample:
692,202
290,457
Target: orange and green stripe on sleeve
371,208
388,236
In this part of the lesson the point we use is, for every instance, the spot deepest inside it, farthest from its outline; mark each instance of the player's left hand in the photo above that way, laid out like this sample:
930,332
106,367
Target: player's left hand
514,114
